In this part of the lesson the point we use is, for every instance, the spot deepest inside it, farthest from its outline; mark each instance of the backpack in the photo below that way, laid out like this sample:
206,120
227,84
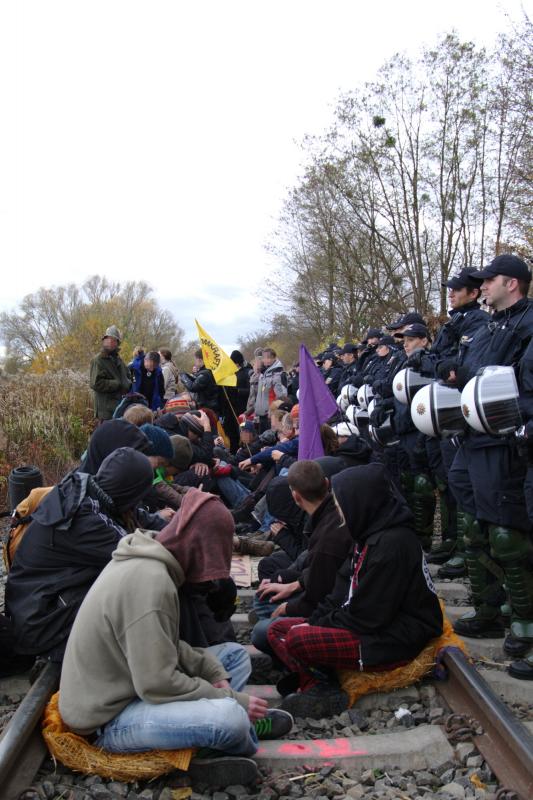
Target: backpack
20,521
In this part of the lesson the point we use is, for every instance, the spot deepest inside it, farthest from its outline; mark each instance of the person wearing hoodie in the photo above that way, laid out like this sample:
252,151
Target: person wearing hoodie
71,537
271,385
130,681
382,616
328,547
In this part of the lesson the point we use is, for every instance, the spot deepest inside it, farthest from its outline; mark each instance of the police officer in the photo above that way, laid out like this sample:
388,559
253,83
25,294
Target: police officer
415,474
348,356
466,316
487,474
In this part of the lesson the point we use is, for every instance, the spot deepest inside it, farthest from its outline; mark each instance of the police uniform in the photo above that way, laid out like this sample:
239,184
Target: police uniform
487,479
463,323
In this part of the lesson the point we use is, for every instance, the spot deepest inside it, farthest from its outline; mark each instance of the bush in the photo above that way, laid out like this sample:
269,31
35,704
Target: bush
45,420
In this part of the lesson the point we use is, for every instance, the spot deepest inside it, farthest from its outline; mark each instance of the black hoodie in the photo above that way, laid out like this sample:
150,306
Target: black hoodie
69,541
392,605
109,436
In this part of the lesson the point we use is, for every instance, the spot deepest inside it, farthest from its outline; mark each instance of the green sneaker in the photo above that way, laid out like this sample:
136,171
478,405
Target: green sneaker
276,724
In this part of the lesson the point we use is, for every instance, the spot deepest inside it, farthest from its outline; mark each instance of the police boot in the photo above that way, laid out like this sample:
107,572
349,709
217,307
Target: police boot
455,567
424,509
442,552
512,549
485,584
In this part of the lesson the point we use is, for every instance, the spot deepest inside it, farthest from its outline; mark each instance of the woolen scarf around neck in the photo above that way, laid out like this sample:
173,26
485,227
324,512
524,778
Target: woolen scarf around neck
200,537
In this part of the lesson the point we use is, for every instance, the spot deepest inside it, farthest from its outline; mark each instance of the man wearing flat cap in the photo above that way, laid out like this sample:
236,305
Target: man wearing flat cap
109,377
488,472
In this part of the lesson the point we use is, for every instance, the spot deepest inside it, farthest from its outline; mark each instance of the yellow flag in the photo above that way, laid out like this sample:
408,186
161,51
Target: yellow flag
215,359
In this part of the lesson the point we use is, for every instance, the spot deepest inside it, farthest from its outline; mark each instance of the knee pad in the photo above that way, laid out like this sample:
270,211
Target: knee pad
423,486
475,535
507,544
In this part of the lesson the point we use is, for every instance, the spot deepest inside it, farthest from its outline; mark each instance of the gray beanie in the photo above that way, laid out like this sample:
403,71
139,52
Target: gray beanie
182,452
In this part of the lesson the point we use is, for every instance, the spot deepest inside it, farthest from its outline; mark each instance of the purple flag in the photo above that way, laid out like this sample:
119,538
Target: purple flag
317,405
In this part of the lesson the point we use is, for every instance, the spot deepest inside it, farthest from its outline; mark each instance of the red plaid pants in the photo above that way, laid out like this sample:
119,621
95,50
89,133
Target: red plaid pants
301,647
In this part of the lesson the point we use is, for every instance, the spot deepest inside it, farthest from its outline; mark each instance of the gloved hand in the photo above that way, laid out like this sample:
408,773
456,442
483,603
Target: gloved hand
444,368
380,413
415,360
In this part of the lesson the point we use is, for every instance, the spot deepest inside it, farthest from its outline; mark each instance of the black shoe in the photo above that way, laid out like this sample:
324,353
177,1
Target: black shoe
522,670
454,568
288,684
276,724
322,700
479,628
441,553
223,770
246,528
515,647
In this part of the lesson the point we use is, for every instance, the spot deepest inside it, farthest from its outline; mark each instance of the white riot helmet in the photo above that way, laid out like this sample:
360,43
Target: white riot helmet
385,435
351,414
345,429
406,384
349,393
365,395
436,410
489,401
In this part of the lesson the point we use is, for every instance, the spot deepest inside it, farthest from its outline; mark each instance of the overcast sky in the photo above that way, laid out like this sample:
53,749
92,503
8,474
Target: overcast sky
157,140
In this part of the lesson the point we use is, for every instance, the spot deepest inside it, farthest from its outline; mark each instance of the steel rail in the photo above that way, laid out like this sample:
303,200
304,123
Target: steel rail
505,743
21,747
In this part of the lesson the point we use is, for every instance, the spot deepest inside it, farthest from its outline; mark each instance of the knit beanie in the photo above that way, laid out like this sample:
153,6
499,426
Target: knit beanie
169,422
182,452
192,423
237,357
159,441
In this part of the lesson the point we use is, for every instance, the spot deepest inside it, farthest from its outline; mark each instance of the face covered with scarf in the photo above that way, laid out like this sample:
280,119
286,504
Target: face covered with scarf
200,537
369,501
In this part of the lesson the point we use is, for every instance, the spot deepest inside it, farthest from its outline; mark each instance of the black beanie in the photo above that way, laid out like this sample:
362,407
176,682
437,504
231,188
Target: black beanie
237,357
125,475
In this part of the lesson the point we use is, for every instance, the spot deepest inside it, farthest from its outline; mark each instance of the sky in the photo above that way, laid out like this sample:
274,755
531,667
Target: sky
158,140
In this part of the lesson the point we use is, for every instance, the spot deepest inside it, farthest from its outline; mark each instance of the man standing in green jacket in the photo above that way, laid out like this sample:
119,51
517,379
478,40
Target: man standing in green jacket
109,378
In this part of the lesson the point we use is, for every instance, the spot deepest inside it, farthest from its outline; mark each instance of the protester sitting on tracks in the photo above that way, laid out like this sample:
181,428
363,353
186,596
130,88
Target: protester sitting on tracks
380,617
130,681
71,537
138,415
329,544
111,435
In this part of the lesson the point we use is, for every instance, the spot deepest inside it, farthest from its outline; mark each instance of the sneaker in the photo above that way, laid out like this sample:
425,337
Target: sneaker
322,700
276,724
223,770
475,627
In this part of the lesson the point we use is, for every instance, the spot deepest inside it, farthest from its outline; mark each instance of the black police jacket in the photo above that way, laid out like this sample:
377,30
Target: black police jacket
502,341
463,323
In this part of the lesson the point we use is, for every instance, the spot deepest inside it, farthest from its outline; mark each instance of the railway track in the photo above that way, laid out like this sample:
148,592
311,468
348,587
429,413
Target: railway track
467,723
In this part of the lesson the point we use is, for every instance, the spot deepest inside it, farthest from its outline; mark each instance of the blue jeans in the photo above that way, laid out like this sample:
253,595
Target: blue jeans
232,491
220,724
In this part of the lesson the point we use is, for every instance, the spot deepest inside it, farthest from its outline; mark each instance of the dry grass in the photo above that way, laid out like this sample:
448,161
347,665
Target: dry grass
45,420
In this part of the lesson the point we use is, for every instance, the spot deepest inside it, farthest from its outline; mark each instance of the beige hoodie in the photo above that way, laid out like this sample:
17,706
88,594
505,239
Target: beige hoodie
125,641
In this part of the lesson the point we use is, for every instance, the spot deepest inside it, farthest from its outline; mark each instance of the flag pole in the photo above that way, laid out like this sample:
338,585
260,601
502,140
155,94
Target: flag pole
236,417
